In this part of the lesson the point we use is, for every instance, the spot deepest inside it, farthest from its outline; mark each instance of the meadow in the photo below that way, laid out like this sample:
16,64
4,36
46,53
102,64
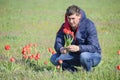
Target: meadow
36,22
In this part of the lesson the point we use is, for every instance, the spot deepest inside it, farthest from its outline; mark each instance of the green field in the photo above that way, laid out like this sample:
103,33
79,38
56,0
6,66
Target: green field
37,21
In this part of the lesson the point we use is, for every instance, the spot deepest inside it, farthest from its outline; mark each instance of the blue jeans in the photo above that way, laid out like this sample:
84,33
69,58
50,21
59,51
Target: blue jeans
86,59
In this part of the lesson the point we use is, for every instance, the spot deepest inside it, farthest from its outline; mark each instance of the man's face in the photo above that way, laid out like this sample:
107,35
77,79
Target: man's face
73,20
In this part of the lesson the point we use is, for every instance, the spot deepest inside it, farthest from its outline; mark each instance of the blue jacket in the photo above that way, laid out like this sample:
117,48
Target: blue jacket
86,37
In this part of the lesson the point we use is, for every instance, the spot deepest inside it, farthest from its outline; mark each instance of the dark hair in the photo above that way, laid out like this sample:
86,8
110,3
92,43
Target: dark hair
73,9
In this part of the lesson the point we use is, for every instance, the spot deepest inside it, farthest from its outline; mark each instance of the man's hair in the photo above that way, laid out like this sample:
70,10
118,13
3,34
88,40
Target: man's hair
73,9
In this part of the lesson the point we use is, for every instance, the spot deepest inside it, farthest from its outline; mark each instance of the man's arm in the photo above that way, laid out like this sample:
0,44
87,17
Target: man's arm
92,40
59,42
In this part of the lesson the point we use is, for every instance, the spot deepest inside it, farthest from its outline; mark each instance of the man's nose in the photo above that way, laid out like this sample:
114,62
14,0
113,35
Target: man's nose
71,21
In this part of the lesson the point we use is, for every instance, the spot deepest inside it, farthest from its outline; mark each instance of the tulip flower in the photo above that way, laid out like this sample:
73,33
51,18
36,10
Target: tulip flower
35,45
30,57
118,67
28,51
37,56
7,47
23,52
66,31
68,37
118,52
50,50
58,66
12,59
45,62
53,52
60,61
30,44
25,56
33,55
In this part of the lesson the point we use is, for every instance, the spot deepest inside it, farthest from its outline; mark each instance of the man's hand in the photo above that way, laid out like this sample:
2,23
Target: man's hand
63,50
73,48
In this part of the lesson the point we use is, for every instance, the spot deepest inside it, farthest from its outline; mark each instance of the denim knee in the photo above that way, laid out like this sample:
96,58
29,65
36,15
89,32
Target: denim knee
84,56
89,60
86,61
53,59
93,58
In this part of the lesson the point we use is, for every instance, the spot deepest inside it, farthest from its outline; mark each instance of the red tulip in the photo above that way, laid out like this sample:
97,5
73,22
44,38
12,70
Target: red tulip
35,45
118,67
50,50
27,47
12,59
58,66
37,56
45,62
53,52
60,61
25,56
28,51
33,56
23,52
24,49
72,34
66,31
118,52
7,47
30,57
30,44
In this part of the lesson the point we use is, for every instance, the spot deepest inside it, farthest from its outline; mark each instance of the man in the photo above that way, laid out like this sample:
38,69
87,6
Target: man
84,50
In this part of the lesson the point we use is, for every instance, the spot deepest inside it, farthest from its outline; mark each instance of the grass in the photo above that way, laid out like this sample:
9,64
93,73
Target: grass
37,21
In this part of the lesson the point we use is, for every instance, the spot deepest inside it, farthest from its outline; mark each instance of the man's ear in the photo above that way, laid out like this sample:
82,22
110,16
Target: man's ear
79,16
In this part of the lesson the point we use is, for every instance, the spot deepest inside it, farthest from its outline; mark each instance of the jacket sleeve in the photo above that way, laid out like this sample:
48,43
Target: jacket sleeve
59,42
92,39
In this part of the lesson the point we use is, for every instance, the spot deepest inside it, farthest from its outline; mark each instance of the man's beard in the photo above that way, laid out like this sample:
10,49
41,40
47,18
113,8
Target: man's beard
73,28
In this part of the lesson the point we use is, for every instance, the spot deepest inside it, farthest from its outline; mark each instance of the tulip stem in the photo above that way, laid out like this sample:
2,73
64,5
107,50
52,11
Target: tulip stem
37,62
